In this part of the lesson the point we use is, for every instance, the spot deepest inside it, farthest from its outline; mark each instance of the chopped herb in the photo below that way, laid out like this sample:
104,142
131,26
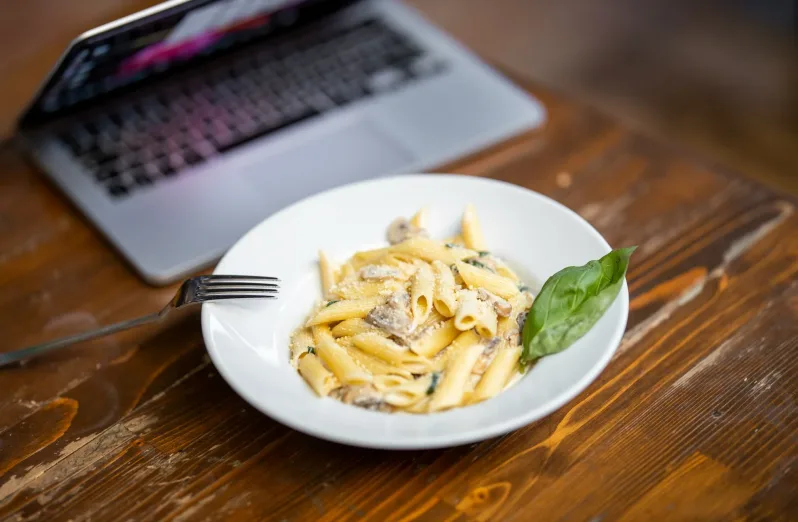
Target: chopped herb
434,384
451,245
311,350
523,288
483,253
477,264
331,302
454,269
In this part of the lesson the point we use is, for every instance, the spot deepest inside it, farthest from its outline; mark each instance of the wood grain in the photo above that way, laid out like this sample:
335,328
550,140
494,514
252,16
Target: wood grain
694,419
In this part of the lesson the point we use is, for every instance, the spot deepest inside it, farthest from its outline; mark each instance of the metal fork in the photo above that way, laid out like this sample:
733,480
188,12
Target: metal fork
200,289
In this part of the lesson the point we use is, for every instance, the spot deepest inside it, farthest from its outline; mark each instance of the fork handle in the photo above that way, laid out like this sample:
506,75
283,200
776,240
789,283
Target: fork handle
39,349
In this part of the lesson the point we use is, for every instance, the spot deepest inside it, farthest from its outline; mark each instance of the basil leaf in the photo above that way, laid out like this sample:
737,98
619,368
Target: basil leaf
331,302
311,349
571,302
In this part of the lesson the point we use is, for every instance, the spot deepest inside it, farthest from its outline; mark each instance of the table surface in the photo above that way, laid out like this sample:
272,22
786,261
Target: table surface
695,418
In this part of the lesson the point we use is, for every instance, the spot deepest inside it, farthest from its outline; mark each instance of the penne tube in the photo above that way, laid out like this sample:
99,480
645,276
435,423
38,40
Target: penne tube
408,392
468,310
301,341
460,342
475,277
451,391
472,230
421,292
390,352
376,365
347,309
426,249
355,289
336,358
354,326
327,272
316,375
495,378
419,220
486,320
444,299
435,339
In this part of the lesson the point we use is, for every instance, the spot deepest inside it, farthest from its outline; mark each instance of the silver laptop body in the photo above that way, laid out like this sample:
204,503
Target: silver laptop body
177,129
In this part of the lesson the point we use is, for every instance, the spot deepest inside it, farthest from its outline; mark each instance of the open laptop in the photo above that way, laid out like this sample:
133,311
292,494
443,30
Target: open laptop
178,128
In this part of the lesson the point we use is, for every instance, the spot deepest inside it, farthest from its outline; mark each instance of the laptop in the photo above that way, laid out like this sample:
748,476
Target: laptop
178,128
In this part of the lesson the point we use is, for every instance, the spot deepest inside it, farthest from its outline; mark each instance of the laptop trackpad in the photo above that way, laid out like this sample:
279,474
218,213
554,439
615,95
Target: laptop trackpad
353,152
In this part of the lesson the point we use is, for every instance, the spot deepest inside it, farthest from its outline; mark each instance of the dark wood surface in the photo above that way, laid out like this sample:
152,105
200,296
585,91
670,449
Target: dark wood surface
694,419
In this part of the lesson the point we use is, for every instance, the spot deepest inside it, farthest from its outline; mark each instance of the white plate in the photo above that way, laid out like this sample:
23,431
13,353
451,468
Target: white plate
248,341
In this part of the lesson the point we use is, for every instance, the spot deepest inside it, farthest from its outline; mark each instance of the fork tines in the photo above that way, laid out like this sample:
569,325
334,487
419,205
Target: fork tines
237,287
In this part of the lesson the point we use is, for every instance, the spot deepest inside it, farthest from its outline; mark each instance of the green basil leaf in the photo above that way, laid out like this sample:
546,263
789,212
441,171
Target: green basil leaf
571,302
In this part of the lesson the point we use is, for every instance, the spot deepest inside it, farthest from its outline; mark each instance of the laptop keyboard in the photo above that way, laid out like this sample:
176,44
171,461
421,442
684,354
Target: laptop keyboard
299,76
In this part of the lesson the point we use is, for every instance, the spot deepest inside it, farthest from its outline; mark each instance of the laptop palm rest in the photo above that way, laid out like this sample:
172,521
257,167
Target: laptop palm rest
356,151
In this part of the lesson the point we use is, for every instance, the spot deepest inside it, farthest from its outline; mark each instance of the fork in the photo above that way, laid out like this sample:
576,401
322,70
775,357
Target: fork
196,290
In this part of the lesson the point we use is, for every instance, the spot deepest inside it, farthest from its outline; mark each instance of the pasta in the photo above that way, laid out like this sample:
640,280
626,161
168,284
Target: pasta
421,291
327,272
337,359
418,326
445,300
320,378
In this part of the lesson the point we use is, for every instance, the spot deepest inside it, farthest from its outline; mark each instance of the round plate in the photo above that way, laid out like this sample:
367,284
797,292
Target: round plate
248,341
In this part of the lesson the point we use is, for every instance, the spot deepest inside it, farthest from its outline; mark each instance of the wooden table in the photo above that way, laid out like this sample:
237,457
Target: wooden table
694,419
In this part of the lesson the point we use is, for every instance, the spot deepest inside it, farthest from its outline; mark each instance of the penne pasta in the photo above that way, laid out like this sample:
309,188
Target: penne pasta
351,327
460,342
493,381
419,219
451,390
505,271
434,319
317,376
336,358
391,352
444,299
471,229
421,292
354,289
468,310
426,249
327,272
342,310
408,392
301,342
475,277
486,320
376,365
435,339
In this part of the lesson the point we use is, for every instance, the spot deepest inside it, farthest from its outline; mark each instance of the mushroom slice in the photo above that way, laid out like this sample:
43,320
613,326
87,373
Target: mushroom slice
401,229
502,307
393,316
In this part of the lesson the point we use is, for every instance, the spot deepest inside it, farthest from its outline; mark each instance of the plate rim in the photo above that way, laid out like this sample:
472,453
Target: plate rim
430,441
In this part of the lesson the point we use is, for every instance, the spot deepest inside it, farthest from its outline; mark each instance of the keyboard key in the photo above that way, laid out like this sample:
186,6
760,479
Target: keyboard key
426,65
117,190
107,173
141,178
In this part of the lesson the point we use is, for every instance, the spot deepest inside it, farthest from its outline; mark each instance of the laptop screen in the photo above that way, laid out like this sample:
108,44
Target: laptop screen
126,56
